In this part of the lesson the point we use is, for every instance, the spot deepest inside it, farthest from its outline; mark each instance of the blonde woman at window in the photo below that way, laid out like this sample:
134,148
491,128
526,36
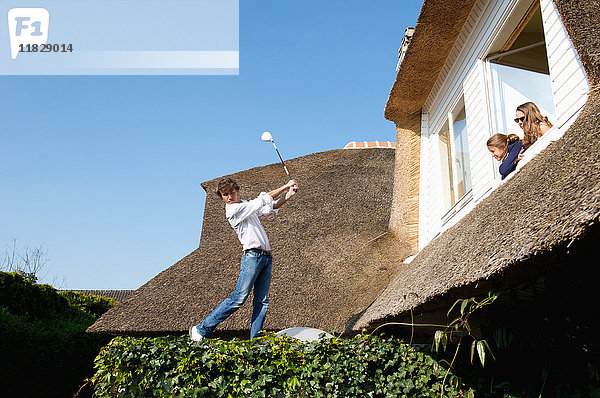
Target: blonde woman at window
538,132
531,121
505,149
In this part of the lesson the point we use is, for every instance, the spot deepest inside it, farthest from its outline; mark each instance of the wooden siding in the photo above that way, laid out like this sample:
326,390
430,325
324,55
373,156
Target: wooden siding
465,52
569,82
479,130
431,204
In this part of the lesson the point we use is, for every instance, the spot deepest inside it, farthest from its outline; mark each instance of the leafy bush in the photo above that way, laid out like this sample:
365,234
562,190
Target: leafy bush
28,299
44,348
92,305
268,367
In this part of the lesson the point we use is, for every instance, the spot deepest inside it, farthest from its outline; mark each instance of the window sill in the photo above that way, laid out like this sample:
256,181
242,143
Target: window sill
466,199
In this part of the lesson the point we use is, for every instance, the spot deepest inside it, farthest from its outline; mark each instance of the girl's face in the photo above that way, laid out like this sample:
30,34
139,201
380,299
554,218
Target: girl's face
520,118
496,152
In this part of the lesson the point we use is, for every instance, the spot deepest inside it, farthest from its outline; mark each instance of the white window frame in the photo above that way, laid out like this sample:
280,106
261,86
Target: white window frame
461,202
486,57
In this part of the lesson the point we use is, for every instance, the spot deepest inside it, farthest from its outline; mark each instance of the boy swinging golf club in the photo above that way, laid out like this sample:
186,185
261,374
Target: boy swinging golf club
256,263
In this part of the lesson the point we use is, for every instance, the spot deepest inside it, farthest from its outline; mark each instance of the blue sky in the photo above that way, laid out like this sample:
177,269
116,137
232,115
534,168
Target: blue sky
105,171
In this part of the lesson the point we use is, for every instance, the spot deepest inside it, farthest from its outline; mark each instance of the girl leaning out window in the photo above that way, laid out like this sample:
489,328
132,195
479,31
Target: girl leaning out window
505,149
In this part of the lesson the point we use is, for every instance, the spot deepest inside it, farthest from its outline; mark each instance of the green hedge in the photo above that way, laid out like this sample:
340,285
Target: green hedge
92,305
30,300
269,367
44,349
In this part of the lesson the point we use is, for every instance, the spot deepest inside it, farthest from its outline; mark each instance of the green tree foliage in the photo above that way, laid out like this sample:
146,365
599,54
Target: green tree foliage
268,367
43,345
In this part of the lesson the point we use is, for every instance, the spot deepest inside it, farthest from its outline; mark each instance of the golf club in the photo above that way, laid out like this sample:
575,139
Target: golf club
267,137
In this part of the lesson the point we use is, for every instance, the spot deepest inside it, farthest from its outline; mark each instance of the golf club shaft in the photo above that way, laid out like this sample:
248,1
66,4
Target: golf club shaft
282,162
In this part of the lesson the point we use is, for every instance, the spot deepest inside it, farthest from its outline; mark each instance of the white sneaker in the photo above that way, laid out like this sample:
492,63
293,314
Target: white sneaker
195,334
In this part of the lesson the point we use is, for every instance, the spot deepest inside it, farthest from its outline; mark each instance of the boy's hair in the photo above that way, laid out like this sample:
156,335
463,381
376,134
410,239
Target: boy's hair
501,141
226,185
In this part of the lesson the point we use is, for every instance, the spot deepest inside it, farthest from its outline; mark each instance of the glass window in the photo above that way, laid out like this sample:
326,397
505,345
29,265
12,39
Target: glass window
519,71
461,151
454,156
446,166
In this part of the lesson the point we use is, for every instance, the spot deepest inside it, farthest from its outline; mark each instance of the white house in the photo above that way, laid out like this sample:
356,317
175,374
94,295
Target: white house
506,52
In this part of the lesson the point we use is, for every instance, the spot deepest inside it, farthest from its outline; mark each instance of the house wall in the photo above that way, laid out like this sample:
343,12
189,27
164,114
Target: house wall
465,74
569,82
404,215
430,185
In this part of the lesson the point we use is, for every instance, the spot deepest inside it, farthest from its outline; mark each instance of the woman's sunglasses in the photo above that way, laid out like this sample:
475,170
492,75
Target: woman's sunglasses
519,119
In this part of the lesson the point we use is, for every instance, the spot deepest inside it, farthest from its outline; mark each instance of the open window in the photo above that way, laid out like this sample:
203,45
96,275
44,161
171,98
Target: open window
454,156
518,68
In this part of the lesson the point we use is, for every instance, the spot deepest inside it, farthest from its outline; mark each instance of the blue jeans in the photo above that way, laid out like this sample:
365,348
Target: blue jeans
255,271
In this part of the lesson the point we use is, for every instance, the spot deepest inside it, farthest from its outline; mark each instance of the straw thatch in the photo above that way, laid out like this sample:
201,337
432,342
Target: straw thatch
582,21
325,242
404,214
437,27
543,220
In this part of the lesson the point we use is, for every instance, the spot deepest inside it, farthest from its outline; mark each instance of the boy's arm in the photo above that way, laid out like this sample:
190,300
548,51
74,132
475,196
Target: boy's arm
238,212
292,190
276,192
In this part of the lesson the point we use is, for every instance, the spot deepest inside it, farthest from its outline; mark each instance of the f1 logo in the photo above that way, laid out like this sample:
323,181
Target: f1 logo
27,26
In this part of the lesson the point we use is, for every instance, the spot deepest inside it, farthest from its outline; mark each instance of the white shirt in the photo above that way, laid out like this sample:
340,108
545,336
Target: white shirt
243,217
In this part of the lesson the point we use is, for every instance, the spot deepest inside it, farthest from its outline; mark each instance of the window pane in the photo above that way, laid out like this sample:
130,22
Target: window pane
510,88
446,167
461,152
519,72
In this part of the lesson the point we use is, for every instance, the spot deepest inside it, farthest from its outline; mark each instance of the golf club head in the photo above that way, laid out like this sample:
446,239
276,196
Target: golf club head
266,136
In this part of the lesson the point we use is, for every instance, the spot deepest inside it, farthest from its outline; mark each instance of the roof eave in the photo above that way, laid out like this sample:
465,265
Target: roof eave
438,26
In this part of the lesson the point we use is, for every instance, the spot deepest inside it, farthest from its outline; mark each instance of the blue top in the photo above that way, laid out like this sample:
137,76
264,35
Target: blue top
508,165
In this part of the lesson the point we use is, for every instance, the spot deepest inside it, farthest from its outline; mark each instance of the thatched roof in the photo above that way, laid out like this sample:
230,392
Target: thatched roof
118,295
437,27
327,266
333,255
542,219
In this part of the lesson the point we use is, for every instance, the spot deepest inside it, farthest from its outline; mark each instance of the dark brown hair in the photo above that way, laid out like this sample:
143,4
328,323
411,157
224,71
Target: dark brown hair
502,141
226,185
531,124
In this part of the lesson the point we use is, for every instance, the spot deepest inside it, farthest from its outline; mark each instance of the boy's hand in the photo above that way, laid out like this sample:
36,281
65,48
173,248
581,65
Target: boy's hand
292,188
292,185
292,191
